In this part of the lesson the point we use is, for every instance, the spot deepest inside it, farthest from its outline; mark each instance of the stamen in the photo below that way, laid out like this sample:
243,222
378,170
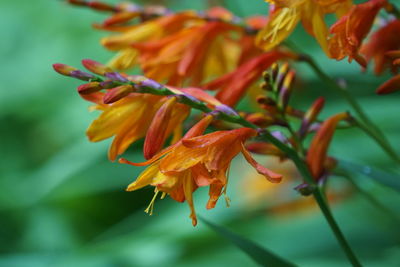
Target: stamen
227,199
150,208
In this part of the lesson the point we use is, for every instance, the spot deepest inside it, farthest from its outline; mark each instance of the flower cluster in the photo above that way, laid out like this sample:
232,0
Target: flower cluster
186,55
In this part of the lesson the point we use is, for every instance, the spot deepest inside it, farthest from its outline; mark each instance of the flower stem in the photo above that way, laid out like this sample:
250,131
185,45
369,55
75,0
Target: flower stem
366,123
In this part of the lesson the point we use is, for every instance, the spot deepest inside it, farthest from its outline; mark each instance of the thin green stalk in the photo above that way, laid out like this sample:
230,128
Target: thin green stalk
366,125
319,198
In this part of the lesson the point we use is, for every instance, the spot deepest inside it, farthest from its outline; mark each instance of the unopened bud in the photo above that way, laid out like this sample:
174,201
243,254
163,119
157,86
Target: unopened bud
63,69
260,119
117,93
285,90
95,67
120,17
89,88
100,6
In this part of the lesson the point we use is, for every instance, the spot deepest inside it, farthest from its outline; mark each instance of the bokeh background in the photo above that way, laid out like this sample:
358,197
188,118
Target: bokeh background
62,203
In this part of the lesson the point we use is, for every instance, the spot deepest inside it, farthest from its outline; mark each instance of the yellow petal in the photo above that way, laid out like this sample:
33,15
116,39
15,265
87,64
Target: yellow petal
279,27
145,178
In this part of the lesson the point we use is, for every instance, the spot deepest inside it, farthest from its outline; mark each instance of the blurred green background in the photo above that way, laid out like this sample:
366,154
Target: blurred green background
62,203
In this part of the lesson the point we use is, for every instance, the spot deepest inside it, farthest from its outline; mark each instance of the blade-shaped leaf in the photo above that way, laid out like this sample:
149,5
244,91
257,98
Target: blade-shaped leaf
253,250
391,180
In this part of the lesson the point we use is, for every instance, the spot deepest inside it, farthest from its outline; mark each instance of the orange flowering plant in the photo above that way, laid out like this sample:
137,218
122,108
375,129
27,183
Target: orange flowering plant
208,62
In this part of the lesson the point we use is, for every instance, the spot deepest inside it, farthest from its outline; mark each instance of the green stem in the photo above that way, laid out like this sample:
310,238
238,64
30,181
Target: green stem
366,125
318,196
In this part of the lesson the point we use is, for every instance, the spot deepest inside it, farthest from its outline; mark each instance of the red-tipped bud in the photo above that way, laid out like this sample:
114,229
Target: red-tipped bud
89,88
157,132
95,67
389,86
77,2
63,69
260,119
120,17
117,93
317,153
100,6
311,116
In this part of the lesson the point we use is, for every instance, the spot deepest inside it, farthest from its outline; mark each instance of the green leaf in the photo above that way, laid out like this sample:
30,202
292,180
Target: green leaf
255,251
388,179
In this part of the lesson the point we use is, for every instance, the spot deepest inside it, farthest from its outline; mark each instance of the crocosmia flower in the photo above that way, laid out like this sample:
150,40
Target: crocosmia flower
286,14
350,31
129,119
197,161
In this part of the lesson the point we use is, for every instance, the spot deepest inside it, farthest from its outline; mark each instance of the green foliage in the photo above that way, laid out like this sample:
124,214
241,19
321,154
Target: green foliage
64,204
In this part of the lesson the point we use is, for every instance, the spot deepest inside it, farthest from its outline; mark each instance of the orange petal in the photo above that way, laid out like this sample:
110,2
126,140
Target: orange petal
270,175
188,189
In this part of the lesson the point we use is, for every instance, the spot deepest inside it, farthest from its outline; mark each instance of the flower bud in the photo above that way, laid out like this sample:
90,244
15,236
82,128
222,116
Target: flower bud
100,6
117,93
95,67
311,116
63,69
260,119
89,88
285,90
157,132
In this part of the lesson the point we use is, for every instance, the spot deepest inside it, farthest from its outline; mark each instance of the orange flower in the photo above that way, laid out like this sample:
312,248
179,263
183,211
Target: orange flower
382,41
145,32
286,14
234,84
193,54
351,29
197,161
317,153
129,119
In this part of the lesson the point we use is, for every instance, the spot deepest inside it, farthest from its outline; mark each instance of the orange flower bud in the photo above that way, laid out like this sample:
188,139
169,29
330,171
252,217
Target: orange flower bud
63,69
157,132
100,6
317,152
120,17
117,93
95,67
260,119
89,88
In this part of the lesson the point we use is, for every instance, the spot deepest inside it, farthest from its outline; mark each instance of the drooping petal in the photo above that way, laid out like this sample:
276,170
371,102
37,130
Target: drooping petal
270,175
